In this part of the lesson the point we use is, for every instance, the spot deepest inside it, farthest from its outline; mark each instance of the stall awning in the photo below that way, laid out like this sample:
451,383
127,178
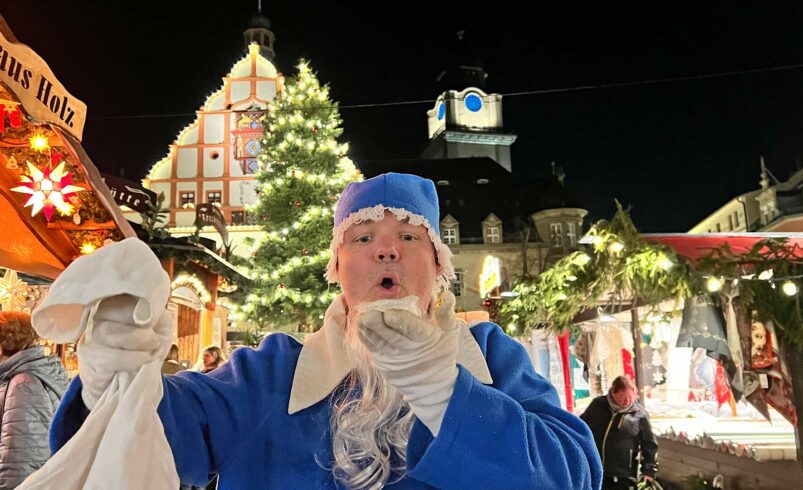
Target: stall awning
696,246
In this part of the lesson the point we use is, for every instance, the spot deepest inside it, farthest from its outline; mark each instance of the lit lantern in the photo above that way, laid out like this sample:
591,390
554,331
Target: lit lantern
49,190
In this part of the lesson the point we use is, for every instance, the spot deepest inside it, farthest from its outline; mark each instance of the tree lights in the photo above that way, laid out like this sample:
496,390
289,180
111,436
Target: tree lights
303,169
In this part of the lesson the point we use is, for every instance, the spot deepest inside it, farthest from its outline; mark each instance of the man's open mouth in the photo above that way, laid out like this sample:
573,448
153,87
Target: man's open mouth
387,283
388,280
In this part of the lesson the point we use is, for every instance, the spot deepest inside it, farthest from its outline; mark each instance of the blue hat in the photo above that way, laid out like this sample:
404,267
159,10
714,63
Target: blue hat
407,196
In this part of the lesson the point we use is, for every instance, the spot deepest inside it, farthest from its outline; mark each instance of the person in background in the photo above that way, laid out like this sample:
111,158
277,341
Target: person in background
171,364
213,358
31,385
621,429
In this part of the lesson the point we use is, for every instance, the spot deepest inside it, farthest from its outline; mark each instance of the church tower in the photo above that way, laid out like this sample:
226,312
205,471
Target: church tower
466,121
260,32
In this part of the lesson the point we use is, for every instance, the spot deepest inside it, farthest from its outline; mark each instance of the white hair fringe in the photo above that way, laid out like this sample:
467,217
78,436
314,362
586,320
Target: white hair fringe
377,213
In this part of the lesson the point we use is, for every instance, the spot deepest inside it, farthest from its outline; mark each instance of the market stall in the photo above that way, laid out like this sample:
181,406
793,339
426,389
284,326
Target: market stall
708,326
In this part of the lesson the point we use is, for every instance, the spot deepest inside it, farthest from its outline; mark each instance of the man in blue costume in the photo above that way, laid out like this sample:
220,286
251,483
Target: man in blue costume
392,391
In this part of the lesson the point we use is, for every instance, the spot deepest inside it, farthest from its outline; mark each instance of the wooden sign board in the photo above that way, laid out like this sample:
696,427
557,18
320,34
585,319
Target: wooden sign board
31,80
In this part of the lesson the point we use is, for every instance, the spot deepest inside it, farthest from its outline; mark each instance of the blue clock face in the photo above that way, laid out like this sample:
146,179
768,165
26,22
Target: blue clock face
252,147
473,102
253,165
441,111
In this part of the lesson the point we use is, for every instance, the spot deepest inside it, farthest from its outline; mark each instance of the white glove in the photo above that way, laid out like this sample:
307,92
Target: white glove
115,342
419,358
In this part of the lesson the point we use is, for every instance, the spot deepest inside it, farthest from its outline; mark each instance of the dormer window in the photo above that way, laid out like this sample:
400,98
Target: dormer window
492,229
571,234
450,230
492,234
450,236
556,234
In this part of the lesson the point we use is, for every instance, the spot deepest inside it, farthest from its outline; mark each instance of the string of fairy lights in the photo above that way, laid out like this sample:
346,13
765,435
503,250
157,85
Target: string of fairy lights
713,284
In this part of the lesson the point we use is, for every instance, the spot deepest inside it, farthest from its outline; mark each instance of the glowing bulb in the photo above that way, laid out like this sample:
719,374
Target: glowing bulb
87,248
562,297
39,143
583,259
664,262
616,247
789,288
713,284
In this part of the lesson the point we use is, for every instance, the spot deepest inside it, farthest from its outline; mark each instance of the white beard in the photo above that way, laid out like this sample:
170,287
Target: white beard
370,424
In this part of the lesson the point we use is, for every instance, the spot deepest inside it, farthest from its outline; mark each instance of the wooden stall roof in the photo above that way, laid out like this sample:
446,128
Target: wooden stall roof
32,245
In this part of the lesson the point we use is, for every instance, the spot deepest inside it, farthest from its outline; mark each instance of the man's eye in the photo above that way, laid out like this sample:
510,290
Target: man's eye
409,238
363,239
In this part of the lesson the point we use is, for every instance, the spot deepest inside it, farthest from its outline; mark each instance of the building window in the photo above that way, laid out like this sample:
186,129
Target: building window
735,219
719,228
214,197
571,234
238,217
457,284
492,234
556,234
187,200
450,236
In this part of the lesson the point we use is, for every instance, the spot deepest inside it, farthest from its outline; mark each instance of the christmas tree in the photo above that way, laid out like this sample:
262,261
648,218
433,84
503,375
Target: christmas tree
303,169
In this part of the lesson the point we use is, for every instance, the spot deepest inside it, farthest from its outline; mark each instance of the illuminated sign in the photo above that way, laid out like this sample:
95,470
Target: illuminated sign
490,277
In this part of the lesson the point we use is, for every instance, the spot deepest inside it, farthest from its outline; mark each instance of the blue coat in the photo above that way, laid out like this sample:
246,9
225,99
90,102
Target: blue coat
234,422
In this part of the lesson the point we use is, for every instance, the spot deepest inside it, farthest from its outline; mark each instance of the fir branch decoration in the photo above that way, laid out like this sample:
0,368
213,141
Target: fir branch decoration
618,267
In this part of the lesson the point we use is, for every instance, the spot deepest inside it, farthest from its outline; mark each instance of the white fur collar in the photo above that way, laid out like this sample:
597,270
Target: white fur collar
323,362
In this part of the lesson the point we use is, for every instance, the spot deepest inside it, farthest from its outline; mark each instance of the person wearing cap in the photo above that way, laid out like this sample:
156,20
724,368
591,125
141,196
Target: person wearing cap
391,391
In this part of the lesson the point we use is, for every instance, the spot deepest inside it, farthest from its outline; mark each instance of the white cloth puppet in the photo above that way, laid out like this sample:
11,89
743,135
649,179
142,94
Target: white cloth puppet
126,334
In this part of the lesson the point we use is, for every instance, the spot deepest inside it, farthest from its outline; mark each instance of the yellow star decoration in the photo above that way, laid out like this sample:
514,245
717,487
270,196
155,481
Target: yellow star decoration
13,291
9,105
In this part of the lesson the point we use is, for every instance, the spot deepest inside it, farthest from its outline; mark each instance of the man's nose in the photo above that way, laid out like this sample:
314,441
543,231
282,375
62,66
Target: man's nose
386,252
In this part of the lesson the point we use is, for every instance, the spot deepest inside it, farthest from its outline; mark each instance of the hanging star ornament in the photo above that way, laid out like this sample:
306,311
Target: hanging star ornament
49,190
13,291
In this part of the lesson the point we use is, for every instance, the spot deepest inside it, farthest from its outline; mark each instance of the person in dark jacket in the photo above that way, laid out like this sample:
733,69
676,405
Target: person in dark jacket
171,365
621,429
31,385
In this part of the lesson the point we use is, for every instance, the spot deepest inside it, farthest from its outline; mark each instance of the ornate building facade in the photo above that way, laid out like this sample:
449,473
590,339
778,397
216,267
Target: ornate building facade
213,160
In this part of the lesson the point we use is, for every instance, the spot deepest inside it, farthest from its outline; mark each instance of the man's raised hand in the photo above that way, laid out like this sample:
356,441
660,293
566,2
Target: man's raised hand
416,356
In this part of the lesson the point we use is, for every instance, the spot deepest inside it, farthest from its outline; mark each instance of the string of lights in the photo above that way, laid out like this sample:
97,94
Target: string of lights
578,88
